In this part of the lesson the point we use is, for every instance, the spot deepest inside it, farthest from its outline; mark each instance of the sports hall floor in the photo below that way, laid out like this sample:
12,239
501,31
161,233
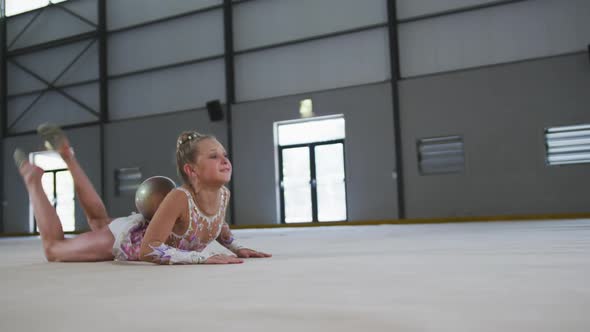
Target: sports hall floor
481,276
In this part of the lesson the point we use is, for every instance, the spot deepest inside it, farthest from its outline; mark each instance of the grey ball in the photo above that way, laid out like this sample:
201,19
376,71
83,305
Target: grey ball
151,193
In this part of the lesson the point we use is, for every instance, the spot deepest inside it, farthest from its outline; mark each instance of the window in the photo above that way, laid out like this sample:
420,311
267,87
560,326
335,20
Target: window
441,155
13,7
567,145
58,185
312,181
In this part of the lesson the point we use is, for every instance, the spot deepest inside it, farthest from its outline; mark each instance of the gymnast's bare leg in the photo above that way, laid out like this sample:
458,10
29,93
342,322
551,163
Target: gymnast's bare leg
91,203
92,246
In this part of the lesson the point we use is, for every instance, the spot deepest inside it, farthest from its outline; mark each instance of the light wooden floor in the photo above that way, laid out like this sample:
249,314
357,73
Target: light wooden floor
500,276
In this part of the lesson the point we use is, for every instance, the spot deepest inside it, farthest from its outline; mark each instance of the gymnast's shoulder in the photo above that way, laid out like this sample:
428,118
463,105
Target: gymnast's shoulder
175,198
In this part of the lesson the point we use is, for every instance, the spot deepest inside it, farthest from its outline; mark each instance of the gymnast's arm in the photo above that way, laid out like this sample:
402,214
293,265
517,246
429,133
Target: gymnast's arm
227,240
153,246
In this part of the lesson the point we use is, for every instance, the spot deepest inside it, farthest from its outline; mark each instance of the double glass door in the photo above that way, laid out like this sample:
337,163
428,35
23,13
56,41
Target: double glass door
313,182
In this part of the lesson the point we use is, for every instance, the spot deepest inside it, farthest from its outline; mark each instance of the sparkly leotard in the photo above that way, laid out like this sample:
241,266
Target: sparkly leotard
201,231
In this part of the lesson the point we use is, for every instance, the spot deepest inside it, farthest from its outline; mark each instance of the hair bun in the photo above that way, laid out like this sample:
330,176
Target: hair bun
187,138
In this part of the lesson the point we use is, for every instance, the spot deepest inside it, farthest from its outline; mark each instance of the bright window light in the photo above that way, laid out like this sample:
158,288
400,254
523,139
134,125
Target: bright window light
14,7
307,131
330,182
58,185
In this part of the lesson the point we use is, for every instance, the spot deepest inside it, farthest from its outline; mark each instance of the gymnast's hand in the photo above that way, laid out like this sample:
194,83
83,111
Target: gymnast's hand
223,259
249,253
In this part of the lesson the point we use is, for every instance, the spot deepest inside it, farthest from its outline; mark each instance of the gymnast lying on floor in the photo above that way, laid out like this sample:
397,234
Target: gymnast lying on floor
188,219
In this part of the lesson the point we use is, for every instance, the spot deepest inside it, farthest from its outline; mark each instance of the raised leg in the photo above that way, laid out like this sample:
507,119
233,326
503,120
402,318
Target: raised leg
46,216
91,203
92,246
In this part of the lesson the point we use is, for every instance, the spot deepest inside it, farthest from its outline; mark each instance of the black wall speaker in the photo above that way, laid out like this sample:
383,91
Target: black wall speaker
589,52
215,110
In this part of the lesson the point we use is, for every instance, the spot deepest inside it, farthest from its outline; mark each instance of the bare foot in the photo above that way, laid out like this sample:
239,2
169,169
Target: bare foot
56,139
31,174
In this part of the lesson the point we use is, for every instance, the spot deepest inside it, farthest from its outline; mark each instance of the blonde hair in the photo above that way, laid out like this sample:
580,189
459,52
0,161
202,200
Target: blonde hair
187,150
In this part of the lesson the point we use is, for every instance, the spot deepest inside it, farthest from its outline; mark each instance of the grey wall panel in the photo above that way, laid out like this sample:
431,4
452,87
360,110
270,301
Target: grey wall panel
16,212
20,81
86,68
53,107
88,94
501,112
183,39
175,89
50,63
265,22
519,31
415,8
150,144
123,13
45,29
369,149
16,106
85,8
347,60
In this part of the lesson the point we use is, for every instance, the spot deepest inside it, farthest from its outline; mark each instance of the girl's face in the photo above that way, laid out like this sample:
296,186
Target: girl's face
213,166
